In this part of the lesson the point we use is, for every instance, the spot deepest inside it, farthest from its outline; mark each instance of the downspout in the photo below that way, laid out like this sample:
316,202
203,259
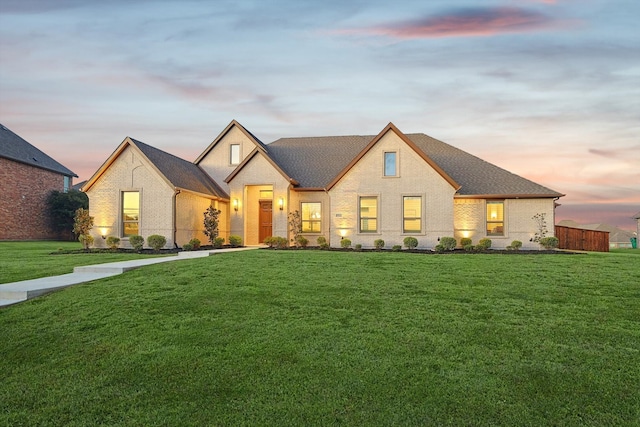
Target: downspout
175,220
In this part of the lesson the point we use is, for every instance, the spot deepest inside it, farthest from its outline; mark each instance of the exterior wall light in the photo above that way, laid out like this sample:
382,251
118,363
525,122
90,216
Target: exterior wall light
103,232
235,205
281,203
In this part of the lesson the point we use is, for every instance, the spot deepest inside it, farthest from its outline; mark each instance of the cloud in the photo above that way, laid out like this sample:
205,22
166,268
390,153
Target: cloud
613,154
473,22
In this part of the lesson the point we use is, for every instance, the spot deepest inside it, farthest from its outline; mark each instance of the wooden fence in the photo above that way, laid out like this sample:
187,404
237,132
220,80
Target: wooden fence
582,240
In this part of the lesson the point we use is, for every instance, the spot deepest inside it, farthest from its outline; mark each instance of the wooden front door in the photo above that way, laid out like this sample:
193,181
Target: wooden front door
265,219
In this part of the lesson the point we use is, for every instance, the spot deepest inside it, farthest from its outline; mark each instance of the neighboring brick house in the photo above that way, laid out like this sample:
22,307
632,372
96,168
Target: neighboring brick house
28,176
386,186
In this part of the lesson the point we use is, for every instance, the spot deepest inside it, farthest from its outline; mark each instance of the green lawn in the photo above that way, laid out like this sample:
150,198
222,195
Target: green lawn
31,260
289,338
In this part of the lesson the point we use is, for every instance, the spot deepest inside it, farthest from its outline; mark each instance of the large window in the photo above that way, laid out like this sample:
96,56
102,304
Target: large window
234,154
368,214
311,217
130,213
412,214
390,164
495,218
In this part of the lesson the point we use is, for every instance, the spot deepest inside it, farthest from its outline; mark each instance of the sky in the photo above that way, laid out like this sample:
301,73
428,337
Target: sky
547,89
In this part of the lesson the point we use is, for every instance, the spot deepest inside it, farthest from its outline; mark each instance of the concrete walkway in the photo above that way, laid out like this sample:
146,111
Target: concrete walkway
12,293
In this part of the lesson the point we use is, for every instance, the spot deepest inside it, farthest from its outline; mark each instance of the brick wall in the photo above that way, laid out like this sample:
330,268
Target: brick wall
23,209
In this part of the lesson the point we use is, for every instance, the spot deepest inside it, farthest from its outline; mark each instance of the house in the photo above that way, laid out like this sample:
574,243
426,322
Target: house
28,176
386,186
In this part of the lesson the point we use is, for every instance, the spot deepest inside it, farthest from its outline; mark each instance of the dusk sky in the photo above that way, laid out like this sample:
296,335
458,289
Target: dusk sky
549,90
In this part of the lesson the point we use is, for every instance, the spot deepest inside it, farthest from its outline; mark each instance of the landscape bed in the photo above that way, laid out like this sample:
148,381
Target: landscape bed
332,338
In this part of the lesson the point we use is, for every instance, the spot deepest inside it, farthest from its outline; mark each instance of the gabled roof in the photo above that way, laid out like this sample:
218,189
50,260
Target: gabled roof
257,151
179,173
259,144
13,147
320,162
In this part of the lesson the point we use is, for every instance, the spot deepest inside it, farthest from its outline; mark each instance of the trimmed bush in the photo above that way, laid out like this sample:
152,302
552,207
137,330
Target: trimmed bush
301,241
218,242
516,245
187,247
113,242
469,248
550,242
448,243
483,244
268,241
345,243
275,242
136,242
321,240
396,248
378,244
156,241
358,247
410,242
86,240
235,240
465,241
195,243
439,248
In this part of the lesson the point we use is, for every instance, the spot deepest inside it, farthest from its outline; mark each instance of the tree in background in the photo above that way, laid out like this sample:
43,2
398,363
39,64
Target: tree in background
62,207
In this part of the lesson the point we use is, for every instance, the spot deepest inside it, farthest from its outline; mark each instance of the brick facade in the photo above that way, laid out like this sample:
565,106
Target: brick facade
23,209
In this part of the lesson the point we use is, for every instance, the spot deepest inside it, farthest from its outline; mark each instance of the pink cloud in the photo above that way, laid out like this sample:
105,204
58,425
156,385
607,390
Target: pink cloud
463,23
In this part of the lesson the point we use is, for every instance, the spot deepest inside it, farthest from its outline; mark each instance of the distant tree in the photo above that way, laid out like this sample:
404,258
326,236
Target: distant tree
62,207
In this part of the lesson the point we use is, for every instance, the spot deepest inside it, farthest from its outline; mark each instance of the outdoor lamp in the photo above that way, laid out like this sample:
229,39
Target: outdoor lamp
235,205
281,203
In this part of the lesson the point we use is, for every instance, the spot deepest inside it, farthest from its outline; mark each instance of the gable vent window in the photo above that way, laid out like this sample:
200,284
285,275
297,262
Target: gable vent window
390,166
234,154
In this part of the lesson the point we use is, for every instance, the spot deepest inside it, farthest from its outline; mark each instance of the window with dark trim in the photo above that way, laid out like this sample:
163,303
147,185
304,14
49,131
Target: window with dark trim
130,213
311,217
411,214
495,218
368,213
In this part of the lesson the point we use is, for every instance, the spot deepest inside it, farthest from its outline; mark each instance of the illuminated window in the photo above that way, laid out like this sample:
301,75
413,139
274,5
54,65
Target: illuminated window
311,217
234,154
390,164
368,214
130,213
495,218
412,214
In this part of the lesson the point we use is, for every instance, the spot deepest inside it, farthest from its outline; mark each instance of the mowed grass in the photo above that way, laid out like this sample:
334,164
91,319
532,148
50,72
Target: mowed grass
289,338
32,259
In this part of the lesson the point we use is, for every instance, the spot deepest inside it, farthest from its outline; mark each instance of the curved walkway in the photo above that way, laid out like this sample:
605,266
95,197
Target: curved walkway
12,293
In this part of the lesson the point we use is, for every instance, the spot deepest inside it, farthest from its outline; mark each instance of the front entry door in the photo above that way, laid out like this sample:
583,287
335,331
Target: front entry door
265,219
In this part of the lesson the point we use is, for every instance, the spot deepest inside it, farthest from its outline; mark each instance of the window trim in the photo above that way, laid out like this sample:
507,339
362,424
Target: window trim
310,221
231,162
489,222
405,217
395,164
377,217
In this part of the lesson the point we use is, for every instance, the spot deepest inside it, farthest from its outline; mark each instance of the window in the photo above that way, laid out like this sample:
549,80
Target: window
390,164
67,184
368,214
412,214
234,154
130,213
495,218
311,218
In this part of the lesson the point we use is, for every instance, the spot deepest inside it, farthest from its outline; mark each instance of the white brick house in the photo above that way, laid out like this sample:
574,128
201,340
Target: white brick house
388,186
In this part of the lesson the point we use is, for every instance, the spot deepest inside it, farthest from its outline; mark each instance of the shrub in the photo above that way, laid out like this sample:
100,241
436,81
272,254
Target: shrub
136,242
301,241
195,243
62,206
279,242
268,241
465,241
235,240
396,248
321,240
218,242
439,248
483,244
469,248
113,242
448,243
410,242
378,244
358,247
211,222
345,243
516,245
187,247
156,241
550,242
82,224
86,240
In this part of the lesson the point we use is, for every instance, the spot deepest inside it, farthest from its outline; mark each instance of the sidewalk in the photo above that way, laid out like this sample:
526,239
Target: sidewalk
12,293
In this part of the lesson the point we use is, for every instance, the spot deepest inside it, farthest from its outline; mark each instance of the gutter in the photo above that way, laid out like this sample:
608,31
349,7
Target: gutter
175,220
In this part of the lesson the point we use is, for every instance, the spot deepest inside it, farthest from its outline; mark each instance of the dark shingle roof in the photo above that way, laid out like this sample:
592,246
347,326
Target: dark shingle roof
315,162
181,173
15,148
